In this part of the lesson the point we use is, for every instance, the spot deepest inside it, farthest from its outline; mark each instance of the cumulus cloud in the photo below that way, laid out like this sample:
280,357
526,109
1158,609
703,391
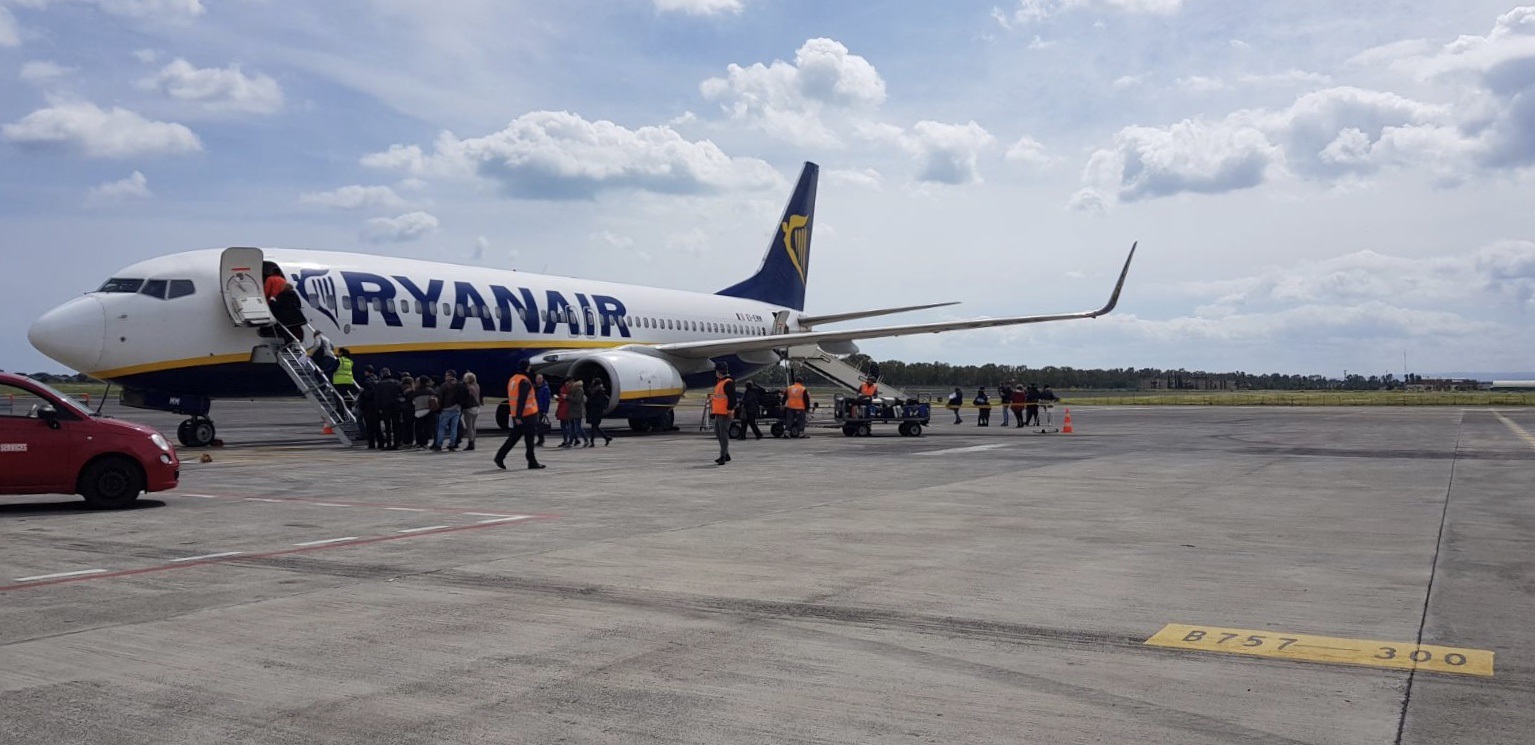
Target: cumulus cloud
945,153
699,7
789,100
868,178
114,133
1200,84
407,227
354,197
1342,133
1028,151
42,72
217,89
1034,11
1287,77
136,186
559,155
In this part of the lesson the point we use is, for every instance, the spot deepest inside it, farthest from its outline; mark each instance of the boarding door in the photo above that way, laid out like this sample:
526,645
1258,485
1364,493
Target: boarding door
240,281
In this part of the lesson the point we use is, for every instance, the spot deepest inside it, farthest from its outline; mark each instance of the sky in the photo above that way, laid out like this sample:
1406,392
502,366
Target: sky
1316,186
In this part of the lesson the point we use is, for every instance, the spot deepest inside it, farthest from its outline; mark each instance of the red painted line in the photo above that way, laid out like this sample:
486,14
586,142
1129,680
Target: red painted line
334,502
267,555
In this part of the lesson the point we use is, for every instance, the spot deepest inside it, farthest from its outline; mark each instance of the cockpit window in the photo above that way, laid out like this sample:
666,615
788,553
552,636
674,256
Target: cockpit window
182,288
154,288
118,284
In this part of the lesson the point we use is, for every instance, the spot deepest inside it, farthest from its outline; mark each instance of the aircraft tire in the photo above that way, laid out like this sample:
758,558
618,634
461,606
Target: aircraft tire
111,483
639,425
196,432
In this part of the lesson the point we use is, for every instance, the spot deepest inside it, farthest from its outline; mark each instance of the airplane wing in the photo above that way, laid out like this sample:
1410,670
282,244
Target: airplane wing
720,347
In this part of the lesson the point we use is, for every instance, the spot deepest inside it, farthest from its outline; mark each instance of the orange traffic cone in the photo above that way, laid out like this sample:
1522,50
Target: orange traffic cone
1066,423
327,430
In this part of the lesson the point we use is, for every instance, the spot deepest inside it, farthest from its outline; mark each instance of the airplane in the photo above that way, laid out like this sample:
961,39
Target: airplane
176,331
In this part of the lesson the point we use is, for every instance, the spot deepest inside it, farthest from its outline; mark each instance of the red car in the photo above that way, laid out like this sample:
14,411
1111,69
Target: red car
50,444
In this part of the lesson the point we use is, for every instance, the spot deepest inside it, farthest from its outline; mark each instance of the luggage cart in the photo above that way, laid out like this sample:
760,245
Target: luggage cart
858,416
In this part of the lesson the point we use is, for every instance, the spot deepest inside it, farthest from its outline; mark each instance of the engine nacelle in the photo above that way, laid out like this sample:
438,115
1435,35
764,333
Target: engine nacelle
631,376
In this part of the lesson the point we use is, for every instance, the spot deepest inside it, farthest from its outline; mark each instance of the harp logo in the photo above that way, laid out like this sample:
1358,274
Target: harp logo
796,240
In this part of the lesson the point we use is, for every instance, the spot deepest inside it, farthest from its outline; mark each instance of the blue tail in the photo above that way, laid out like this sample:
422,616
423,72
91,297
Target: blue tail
781,280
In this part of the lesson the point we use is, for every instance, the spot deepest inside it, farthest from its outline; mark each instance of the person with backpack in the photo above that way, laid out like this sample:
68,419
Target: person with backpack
956,400
982,408
596,408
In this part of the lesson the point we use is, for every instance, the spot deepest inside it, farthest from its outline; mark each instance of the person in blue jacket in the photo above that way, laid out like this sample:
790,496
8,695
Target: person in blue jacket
542,394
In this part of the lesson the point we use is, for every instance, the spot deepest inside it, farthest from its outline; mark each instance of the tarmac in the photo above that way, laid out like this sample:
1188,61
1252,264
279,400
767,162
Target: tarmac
1331,576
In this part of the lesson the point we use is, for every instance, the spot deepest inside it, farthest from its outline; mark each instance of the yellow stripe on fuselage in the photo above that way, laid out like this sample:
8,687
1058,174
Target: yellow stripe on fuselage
666,393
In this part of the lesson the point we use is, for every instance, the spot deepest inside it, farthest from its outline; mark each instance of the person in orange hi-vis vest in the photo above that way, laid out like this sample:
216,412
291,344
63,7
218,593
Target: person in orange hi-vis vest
524,403
798,404
870,387
722,406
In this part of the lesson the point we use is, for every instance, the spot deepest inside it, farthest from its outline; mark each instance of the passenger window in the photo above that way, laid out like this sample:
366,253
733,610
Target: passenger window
117,284
346,303
389,304
155,288
184,287
458,310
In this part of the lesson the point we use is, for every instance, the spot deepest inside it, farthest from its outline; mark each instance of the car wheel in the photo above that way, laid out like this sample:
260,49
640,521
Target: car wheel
916,429
111,483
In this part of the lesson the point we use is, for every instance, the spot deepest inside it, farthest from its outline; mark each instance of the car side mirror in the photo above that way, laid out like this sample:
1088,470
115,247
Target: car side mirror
48,414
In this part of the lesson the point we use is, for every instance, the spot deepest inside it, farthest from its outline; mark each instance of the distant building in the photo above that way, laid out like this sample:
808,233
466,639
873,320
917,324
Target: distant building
1179,382
1444,384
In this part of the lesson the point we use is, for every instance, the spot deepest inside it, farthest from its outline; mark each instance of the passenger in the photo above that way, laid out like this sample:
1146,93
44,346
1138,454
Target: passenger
386,402
287,310
575,409
797,401
1005,396
324,356
367,409
541,390
596,408
956,400
562,411
524,405
421,402
721,405
471,403
982,408
1017,405
450,411
1047,398
751,404
1031,402
405,426
341,375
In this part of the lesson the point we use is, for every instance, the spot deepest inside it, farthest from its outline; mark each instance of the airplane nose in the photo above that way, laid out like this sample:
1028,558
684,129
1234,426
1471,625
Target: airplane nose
73,333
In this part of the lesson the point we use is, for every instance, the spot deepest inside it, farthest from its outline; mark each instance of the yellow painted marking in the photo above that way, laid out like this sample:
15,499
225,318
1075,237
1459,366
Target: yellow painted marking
1328,649
1518,430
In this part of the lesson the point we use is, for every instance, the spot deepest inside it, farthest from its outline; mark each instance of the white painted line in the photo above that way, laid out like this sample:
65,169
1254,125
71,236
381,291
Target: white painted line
327,540
329,504
207,556
972,449
405,509
487,514
61,574
421,530
258,499
507,519
201,496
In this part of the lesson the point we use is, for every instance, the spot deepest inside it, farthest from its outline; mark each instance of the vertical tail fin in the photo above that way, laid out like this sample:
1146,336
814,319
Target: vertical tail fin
785,269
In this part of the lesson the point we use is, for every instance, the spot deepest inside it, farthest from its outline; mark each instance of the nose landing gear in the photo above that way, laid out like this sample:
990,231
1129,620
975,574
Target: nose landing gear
197,432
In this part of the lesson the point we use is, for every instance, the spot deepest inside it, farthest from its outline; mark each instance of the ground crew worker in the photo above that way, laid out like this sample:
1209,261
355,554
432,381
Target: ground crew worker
870,387
798,404
344,379
524,406
751,402
722,406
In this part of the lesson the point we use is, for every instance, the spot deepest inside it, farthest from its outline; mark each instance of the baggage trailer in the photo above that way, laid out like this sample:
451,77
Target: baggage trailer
859,415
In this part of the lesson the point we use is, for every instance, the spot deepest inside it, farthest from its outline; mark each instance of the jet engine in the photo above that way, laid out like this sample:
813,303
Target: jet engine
630,376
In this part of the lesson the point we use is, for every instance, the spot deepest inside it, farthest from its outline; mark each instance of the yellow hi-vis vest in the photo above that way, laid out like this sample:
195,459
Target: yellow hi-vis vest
343,374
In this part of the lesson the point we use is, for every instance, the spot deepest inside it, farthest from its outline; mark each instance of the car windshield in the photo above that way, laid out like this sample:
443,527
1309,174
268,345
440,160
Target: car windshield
69,401
119,284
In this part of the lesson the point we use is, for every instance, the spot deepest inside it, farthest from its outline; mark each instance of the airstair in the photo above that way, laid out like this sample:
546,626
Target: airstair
837,371
332,404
